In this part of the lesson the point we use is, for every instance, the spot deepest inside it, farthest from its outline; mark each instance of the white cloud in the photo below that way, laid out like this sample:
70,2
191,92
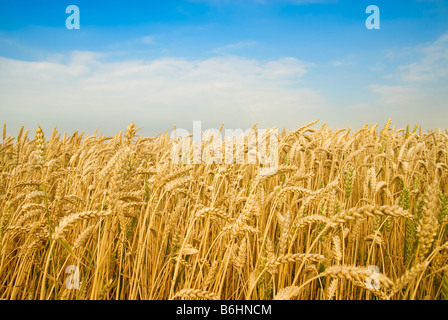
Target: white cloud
85,91
419,93
397,96
284,69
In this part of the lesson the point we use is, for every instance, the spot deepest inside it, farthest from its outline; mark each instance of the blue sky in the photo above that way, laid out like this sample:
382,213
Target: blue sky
277,63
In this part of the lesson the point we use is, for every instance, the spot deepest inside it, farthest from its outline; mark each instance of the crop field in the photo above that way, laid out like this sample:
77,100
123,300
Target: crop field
347,215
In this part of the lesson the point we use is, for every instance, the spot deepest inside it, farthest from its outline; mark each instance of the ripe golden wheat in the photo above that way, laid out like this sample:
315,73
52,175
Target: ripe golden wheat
137,225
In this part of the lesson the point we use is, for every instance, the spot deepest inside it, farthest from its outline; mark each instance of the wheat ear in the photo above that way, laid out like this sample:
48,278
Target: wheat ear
370,211
195,294
68,221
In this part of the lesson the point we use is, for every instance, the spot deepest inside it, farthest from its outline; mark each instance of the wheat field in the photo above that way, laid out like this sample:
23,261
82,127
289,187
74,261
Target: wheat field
348,215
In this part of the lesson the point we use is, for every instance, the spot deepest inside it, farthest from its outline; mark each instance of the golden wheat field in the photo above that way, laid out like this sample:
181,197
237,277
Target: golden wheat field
348,215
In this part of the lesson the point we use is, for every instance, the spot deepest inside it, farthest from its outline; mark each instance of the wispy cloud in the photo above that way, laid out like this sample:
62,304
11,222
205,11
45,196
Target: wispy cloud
433,66
232,47
148,40
347,61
